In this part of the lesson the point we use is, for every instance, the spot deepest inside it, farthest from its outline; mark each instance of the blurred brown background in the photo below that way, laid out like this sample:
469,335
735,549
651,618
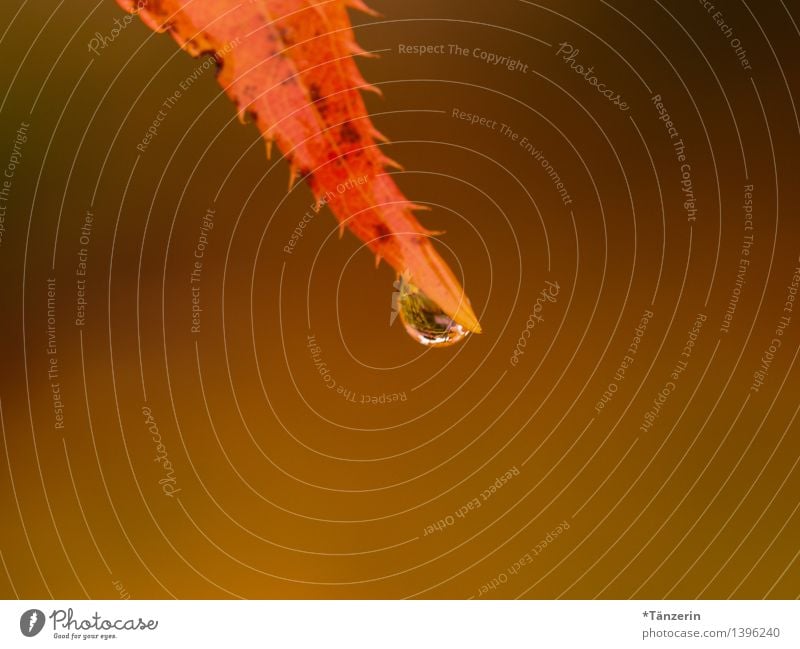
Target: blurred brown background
269,482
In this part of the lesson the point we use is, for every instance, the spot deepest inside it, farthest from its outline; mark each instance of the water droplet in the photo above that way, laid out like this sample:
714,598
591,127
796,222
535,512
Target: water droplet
422,318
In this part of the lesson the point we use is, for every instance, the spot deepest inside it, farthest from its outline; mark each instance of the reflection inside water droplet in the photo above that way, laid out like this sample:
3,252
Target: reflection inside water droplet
422,318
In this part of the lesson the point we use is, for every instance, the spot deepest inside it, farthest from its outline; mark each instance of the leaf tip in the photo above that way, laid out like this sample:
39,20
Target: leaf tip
361,6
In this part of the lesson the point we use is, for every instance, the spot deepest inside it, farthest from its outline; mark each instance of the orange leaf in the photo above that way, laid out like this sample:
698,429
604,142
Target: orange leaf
289,64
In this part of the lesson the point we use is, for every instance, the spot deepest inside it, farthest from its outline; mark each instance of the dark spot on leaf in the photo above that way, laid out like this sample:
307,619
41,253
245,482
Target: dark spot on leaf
286,36
348,133
249,91
315,95
381,231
